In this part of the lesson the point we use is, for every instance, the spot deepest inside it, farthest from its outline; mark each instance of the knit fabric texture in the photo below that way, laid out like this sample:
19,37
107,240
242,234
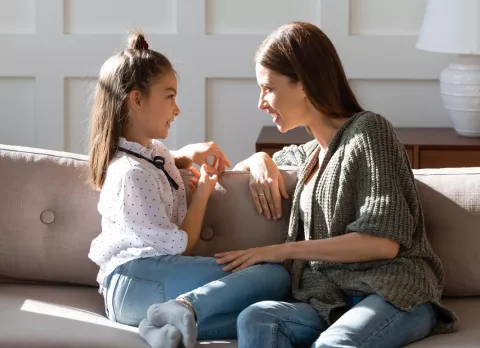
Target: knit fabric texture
364,184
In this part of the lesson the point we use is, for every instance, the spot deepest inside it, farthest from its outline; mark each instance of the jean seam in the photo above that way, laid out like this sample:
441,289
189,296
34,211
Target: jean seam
113,296
387,322
138,281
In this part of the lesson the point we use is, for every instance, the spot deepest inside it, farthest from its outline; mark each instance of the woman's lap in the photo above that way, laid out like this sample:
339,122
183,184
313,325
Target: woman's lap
370,323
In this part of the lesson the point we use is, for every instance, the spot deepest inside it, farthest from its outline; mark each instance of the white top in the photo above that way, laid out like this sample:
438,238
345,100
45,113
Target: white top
140,210
305,200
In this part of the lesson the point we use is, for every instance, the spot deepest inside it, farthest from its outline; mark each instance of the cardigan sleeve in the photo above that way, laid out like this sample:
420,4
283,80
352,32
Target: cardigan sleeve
386,203
294,155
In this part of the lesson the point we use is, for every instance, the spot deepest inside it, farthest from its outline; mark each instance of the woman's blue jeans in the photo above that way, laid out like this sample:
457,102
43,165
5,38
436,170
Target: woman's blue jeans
370,323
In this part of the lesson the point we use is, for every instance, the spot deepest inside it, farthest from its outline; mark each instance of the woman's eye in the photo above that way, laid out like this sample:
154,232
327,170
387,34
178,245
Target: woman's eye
268,90
172,96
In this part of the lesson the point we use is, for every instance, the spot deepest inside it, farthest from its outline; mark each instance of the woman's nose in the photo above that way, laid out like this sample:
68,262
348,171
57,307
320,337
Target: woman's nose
262,104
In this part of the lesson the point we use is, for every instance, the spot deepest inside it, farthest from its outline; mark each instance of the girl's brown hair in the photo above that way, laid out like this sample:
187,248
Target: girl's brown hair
135,68
302,52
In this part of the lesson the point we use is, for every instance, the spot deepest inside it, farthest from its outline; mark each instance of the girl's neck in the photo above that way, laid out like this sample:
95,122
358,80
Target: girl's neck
137,138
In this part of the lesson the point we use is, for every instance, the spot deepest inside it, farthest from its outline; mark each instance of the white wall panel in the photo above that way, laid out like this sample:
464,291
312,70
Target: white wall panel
118,16
404,103
386,17
78,102
17,111
256,17
17,16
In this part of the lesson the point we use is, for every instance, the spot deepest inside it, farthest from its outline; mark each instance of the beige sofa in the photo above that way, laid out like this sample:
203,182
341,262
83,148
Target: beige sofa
48,216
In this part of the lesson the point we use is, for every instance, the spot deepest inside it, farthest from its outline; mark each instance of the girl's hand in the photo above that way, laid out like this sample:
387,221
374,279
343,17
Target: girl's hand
204,183
238,260
200,154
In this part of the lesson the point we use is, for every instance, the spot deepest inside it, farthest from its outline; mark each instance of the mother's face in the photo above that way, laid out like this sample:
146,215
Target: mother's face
282,99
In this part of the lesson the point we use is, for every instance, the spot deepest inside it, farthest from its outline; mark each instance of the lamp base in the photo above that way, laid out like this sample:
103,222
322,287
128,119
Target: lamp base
460,91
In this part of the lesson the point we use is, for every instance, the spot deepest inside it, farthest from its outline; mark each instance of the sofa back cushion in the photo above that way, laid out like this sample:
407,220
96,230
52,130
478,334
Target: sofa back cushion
451,205
48,217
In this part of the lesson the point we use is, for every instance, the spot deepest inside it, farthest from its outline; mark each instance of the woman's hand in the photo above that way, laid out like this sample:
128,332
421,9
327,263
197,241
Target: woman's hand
238,260
200,154
266,185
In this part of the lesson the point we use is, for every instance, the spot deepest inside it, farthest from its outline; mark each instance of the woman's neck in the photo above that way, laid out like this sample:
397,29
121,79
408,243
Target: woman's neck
324,128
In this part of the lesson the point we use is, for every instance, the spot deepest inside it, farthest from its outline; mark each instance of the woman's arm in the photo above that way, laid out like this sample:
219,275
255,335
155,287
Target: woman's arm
349,248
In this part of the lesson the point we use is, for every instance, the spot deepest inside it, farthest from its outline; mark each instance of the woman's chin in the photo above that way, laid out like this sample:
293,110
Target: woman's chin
281,127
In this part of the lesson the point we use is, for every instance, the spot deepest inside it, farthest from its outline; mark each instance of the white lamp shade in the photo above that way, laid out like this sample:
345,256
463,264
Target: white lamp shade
451,26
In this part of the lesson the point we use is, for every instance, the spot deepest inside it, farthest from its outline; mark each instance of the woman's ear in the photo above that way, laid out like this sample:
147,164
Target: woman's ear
135,100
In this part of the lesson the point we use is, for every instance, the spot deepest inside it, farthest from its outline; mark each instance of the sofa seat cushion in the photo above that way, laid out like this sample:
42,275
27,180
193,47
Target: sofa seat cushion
73,316
50,316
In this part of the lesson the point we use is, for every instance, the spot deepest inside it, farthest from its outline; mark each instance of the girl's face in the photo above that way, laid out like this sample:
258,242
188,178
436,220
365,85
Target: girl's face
153,114
282,99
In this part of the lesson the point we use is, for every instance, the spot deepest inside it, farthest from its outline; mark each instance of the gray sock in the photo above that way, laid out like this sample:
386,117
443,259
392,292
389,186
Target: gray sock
166,336
178,315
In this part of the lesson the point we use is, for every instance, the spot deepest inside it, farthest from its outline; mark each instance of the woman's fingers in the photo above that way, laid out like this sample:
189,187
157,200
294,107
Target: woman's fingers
195,172
256,200
237,262
220,155
263,193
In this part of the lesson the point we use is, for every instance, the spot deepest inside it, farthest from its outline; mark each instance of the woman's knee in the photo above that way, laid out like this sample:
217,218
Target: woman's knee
258,313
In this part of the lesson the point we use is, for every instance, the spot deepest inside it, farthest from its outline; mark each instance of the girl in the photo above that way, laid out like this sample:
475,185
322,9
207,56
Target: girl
146,275
363,271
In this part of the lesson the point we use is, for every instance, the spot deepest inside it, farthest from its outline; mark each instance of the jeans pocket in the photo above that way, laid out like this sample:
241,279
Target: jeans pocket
139,295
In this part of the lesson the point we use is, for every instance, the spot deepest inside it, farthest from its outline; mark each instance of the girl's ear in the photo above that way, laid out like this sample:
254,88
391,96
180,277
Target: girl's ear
135,100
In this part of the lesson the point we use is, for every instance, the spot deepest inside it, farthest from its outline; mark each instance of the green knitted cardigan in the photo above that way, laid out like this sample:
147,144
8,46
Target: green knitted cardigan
364,184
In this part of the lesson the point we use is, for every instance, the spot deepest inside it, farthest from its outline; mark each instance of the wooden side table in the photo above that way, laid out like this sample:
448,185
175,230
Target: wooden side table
426,147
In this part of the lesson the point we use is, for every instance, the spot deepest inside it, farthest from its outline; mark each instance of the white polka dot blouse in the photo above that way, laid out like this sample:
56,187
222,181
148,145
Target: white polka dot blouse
140,209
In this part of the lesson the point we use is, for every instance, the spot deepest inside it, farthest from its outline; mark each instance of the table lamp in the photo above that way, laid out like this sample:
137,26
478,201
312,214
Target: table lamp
453,26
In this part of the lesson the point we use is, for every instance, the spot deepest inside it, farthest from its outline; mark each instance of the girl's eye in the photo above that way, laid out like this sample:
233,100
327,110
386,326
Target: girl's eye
268,90
172,96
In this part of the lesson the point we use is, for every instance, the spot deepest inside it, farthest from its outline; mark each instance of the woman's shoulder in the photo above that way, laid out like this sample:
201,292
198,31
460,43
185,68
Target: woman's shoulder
368,128
368,122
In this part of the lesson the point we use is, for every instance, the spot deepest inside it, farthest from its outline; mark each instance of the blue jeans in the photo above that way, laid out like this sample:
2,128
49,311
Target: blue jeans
217,296
372,322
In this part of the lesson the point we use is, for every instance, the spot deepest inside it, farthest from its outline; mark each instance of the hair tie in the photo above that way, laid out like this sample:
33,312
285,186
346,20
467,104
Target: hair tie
144,43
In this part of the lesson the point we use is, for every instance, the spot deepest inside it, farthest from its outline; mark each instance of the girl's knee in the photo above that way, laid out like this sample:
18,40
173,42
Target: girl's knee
274,270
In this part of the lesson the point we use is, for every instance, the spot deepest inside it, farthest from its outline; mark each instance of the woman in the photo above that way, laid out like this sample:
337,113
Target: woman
363,272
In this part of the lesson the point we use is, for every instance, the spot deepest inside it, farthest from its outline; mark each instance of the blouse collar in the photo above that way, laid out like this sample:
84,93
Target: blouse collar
137,148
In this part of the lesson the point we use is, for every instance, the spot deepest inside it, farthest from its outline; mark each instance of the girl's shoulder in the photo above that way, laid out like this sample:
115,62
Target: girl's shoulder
162,150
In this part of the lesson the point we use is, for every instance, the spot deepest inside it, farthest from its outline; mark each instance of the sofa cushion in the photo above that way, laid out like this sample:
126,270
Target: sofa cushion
49,217
46,316
451,203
